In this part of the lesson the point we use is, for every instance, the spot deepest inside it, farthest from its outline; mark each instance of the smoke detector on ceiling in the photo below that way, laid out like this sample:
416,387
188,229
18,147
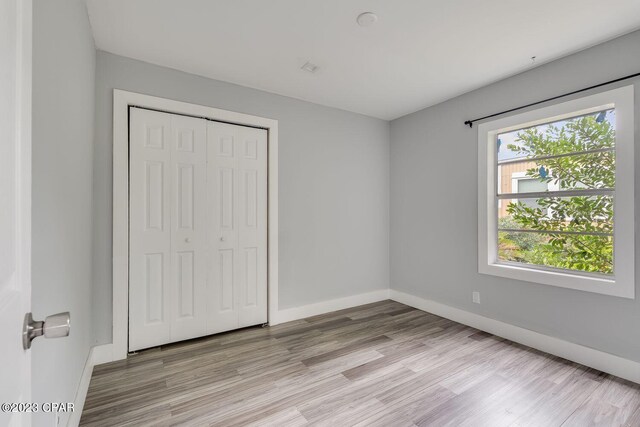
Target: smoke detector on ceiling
309,67
367,19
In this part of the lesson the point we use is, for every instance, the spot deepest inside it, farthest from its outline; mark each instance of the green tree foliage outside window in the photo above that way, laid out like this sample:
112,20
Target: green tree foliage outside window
584,214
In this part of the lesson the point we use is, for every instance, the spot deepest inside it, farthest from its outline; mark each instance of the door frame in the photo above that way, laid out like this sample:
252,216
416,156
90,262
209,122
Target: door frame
122,100
16,86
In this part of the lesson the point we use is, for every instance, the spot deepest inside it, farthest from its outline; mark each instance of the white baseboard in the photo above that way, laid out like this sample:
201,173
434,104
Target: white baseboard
83,388
97,355
587,356
605,362
105,353
102,354
295,313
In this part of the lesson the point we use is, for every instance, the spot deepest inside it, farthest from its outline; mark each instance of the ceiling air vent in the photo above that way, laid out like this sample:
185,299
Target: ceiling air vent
309,67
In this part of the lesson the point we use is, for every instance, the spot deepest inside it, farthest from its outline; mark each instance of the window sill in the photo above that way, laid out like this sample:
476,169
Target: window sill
600,285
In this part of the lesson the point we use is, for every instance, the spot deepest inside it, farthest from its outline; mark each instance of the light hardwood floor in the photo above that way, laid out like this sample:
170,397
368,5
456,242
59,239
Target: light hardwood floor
383,364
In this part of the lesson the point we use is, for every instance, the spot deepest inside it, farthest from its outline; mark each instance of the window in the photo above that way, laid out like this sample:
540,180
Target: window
556,193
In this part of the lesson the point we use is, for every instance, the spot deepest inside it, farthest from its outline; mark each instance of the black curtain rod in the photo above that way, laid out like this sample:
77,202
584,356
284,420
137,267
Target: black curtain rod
470,122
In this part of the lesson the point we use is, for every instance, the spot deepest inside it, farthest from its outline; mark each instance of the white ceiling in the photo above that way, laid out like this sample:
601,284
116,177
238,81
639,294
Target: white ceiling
419,53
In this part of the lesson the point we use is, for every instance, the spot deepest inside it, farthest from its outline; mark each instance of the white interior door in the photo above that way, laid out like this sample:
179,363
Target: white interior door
237,173
188,227
222,215
252,226
167,228
197,227
15,199
149,228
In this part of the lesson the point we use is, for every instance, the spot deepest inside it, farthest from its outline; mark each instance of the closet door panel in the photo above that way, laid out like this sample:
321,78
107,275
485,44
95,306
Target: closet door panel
149,229
252,227
222,217
188,227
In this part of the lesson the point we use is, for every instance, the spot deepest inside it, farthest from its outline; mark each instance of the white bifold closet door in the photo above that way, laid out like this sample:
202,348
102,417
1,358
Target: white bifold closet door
197,227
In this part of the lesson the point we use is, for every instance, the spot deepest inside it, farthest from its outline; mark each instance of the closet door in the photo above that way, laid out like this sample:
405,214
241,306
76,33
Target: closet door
198,228
149,229
167,226
188,227
252,226
222,196
237,193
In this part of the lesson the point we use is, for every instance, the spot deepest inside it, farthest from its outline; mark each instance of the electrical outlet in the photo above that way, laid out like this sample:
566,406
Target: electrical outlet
476,297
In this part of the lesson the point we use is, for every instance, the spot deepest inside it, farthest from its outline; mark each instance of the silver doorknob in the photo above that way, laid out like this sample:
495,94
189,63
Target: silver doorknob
188,240
54,326
222,238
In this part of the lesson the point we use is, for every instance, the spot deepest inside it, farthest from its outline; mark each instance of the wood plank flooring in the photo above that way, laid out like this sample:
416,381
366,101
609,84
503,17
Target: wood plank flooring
382,364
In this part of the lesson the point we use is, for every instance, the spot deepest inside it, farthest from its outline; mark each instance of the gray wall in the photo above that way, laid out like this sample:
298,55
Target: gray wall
434,208
63,114
333,194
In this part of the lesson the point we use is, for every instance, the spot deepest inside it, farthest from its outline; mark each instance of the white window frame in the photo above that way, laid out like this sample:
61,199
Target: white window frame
621,284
